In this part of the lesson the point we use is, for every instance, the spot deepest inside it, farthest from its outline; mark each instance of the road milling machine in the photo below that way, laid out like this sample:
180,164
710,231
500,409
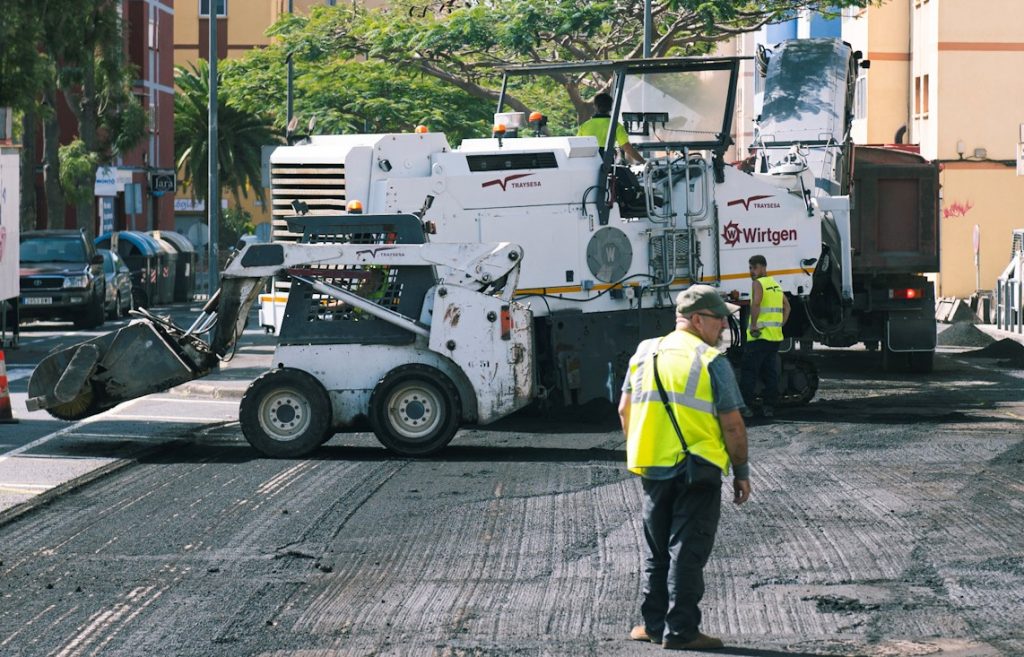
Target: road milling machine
515,269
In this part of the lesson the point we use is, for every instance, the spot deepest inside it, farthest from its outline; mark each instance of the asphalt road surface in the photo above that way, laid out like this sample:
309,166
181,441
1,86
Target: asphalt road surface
886,520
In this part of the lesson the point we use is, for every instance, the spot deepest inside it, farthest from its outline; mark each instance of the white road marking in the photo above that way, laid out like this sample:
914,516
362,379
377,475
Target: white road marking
66,430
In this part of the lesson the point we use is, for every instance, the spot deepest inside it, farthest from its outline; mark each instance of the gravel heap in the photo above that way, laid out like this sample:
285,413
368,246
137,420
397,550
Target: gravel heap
964,334
1006,349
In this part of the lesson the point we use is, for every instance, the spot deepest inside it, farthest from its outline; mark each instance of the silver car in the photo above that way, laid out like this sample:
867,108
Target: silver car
119,284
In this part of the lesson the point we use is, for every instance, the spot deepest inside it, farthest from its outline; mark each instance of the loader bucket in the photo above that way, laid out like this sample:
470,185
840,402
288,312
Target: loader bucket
147,356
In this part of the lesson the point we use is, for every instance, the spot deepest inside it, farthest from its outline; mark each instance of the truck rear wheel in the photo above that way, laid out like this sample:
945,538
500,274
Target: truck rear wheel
285,413
415,410
922,362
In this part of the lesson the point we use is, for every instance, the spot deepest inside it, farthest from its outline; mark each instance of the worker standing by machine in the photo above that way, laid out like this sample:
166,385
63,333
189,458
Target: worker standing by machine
683,431
769,310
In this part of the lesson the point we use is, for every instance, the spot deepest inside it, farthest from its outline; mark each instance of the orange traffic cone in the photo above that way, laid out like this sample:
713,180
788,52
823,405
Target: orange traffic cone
6,414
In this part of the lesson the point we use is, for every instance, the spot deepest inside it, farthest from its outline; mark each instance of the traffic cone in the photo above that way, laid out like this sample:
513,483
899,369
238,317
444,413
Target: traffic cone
6,414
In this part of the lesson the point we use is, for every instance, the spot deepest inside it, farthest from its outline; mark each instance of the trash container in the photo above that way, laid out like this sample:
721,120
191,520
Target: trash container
185,275
141,253
168,269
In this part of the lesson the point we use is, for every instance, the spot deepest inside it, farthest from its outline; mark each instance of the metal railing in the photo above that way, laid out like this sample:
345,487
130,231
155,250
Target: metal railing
1010,297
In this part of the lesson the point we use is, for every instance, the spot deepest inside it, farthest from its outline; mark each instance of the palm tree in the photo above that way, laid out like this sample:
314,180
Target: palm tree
240,137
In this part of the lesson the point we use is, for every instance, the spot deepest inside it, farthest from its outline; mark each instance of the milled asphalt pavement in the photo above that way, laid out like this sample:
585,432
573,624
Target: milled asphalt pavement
40,470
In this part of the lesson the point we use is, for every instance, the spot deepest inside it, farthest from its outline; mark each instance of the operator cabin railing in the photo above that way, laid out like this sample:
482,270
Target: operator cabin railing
1010,295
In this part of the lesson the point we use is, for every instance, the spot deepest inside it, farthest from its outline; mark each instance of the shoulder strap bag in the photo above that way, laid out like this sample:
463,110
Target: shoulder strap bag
698,471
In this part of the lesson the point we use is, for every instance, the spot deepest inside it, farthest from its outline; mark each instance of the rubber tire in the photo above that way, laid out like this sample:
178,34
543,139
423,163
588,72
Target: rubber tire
139,298
117,312
433,392
921,362
306,398
93,317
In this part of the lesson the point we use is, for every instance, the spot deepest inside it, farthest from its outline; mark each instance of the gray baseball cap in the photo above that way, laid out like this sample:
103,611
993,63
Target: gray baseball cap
698,298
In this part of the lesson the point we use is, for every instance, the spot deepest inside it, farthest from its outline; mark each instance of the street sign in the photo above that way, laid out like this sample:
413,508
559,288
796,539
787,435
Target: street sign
161,183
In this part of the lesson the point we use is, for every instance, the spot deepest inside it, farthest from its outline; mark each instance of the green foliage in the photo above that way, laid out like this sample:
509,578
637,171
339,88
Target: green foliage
464,43
77,171
241,134
19,55
234,222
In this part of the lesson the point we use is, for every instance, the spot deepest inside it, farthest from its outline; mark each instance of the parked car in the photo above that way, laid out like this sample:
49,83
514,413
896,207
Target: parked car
119,284
62,278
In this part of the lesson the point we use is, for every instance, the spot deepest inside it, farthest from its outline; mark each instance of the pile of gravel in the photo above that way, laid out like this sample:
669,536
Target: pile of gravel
1007,349
964,334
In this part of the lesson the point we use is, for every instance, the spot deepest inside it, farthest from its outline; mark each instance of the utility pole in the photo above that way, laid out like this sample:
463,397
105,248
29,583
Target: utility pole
213,195
291,76
648,28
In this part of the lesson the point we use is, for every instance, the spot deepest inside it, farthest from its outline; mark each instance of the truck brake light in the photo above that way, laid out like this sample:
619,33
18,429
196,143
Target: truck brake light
906,293
506,323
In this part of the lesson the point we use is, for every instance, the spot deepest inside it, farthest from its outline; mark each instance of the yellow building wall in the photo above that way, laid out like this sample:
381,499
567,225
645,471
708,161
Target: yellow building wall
991,196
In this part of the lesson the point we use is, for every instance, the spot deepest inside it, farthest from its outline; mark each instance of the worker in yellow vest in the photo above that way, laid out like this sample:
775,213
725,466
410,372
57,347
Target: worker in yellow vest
680,411
769,310
598,124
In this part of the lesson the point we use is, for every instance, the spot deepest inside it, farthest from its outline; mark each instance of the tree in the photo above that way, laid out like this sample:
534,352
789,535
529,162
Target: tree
241,135
463,42
84,39
353,96
68,51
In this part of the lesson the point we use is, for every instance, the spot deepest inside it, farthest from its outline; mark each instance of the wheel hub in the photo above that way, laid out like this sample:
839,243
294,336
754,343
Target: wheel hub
284,415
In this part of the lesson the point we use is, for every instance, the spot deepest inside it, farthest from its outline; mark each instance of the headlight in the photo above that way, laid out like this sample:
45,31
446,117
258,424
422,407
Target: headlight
76,281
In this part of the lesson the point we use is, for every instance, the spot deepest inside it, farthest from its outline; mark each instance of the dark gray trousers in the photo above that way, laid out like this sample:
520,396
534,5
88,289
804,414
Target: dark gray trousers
680,524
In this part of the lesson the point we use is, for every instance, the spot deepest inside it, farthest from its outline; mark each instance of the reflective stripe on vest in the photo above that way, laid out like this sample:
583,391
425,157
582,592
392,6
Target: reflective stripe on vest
770,317
683,360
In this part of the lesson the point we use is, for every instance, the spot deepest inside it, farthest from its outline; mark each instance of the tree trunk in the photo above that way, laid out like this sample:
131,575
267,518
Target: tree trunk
55,204
85,210
28,169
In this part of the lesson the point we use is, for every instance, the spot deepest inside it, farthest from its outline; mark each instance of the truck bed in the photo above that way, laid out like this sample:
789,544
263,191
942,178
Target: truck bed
895,212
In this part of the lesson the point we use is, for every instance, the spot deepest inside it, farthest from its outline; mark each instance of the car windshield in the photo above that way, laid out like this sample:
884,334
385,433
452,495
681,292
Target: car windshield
52,249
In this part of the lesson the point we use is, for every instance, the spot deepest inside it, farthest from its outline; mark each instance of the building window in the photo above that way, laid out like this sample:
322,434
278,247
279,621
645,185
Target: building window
921,96
917,95
204,7
924,95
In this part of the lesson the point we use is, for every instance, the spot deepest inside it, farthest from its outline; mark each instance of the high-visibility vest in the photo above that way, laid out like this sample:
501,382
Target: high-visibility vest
769,320
651,440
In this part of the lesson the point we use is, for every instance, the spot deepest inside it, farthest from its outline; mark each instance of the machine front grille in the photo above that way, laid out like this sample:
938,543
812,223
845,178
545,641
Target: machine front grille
321,187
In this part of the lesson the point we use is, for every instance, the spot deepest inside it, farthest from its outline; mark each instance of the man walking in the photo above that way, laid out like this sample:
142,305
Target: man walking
684,374
769,310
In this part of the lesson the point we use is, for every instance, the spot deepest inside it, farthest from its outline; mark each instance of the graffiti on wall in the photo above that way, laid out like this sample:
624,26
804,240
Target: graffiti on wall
956,209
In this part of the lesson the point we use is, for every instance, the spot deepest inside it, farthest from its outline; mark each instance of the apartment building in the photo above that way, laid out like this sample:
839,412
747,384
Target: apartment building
135,192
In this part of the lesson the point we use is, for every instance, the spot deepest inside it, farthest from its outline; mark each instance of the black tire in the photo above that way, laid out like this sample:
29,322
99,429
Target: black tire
139,298
117,312
285,413
415,410
922,362
93,316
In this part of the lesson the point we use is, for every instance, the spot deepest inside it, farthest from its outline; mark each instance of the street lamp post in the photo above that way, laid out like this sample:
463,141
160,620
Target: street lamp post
648,28
213,193
291,78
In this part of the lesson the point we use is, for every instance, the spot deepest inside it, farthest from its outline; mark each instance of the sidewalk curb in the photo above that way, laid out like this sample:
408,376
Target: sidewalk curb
208,390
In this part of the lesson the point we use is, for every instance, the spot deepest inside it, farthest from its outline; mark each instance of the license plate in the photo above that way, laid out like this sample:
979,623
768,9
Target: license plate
37,301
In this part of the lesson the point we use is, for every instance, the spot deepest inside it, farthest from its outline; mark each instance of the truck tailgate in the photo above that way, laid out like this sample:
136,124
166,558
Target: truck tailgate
895,213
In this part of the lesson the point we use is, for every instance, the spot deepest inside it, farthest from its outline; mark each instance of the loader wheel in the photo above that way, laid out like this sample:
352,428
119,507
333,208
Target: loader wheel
285,413
415,410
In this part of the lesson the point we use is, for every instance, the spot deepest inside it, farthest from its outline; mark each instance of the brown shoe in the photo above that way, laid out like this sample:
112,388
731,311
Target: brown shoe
702,642
639,633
